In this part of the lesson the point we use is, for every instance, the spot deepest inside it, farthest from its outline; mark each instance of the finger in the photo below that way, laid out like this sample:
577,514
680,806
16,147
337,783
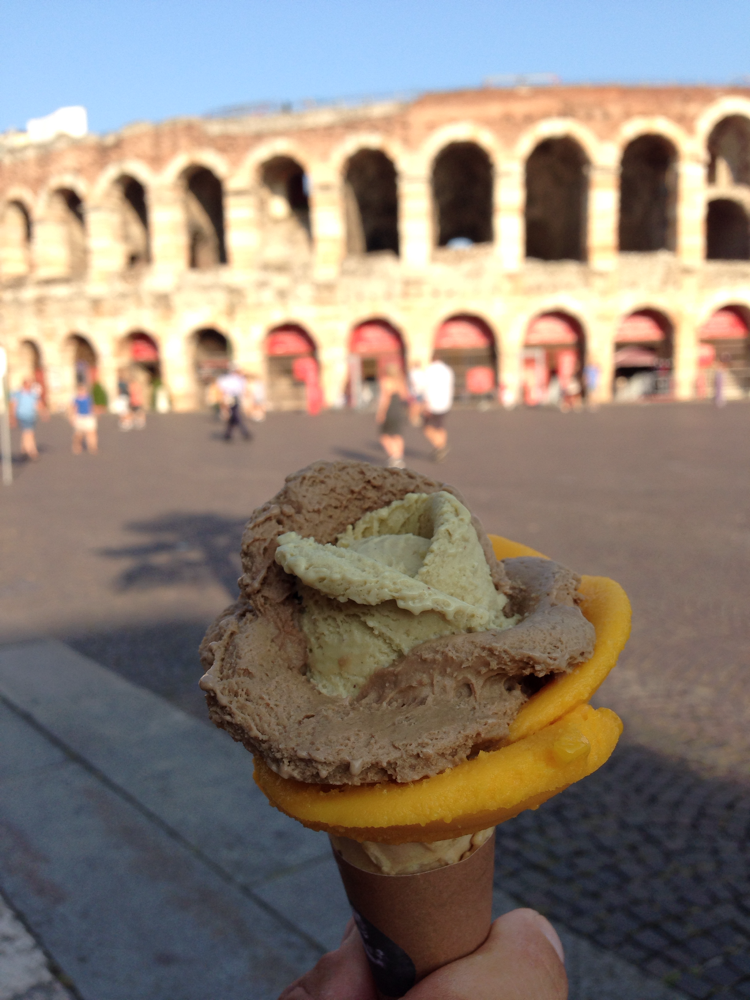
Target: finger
340,975
522,959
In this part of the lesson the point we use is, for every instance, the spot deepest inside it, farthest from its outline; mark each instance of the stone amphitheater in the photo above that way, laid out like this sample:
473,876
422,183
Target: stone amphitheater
526,235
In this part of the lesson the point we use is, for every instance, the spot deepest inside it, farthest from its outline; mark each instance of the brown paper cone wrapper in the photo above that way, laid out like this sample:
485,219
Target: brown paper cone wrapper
414,924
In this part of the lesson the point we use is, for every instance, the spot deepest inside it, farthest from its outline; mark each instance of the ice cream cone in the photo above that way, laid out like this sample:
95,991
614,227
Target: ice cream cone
412,924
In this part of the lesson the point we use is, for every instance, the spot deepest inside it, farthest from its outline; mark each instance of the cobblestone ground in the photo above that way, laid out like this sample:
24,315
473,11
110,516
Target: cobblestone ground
128,555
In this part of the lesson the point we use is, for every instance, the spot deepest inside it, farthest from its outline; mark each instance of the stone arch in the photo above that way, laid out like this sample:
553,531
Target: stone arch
558,128
248,174
371,202
66,233
203,195
463,194
184,163
554,355
727,230
15,241
284,206
557,200
139,359
292,369
102,187
130,202
648,194
728,149
725,107
373,344
467,343
80,363
644,354
724,345
211,351
30,365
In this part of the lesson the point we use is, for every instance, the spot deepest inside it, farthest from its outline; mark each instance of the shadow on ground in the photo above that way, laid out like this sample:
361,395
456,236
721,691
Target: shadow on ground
647,859
181,548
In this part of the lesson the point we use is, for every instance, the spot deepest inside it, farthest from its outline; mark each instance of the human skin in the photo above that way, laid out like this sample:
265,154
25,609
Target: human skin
522,959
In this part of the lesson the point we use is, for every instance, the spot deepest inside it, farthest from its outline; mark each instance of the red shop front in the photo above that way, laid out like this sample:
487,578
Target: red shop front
372,347
293,370
467,345
553,350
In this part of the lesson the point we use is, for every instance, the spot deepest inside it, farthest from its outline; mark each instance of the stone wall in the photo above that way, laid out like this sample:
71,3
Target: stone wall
496,204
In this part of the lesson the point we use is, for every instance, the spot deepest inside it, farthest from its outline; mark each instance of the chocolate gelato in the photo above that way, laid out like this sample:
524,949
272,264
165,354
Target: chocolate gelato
379,638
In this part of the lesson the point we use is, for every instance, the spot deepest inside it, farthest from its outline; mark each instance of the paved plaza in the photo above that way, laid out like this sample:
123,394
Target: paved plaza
126,812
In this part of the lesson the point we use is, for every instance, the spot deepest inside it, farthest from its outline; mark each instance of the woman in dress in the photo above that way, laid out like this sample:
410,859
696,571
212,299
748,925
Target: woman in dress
390,414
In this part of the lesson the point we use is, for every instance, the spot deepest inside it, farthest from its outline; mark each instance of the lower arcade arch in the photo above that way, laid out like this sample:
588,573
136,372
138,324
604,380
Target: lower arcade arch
373,346
31,366
643,358
553,359
212,354
139,367
292,369
467,344
80,367
724,354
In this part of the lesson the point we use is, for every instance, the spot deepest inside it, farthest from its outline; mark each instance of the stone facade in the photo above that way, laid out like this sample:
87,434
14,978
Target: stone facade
201,237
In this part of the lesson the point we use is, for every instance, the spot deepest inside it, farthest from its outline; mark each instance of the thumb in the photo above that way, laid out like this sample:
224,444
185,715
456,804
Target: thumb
522,959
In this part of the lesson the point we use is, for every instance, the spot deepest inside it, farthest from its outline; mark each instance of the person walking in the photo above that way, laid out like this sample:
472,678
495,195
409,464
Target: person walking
416,394
137,399
233,386
82,417
25,405
438,386
390,414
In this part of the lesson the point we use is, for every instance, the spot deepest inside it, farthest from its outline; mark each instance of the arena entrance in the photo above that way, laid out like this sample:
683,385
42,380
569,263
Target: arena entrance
213,356
553,359
467,345
373,346
725,347
30,367
293,370
643,357
140,362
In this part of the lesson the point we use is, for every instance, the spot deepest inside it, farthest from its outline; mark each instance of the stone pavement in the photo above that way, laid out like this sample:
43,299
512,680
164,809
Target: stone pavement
127,556
137,849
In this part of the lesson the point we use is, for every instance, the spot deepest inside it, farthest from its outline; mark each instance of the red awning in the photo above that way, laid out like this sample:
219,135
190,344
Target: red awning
639,328
288,341
635,357
462,334
143,348
706,355
551,330
480,380
726,324
373,339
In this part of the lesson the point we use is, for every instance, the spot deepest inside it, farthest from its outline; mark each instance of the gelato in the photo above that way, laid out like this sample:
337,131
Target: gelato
376,636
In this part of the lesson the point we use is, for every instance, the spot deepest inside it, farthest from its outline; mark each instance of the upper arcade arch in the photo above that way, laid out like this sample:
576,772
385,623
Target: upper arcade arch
724,107
203,195
64,247
728,149
102,186
648,194
283,208
559,128
463,194
182,164
15,240
727,230
371,202
556,211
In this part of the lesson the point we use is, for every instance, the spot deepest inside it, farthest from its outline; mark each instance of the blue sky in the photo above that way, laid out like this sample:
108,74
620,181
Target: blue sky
135,60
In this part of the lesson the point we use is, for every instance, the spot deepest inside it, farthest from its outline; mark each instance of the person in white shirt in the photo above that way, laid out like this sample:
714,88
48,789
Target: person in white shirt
233,386
438,382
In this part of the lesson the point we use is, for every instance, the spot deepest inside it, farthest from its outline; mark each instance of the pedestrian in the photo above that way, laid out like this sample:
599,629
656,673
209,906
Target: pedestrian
233,386
122,403
416,394
82,417
25,406
137,398
571,395
390,414
720,382
438,386
591,377
257,398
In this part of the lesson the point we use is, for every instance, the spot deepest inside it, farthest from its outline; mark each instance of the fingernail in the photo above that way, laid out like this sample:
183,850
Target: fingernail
552,936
